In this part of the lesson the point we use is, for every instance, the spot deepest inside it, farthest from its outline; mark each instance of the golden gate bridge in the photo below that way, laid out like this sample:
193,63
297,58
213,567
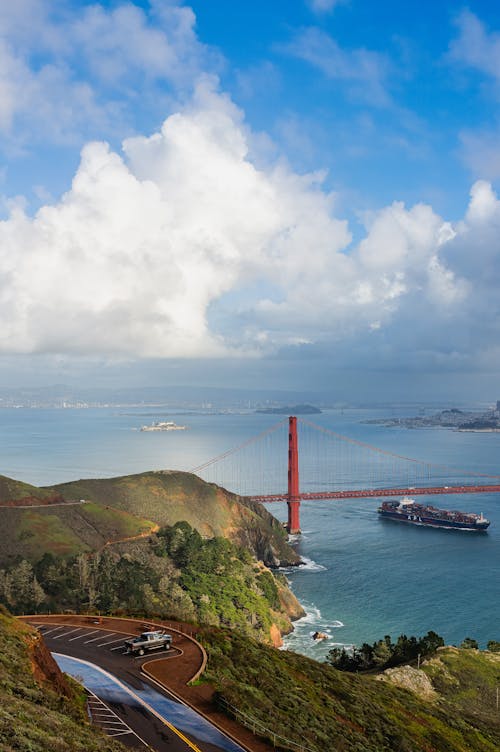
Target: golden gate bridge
329,466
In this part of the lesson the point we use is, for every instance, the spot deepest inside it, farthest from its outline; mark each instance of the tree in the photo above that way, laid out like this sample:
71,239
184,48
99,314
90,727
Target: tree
381,652
26,592
469,643
430,643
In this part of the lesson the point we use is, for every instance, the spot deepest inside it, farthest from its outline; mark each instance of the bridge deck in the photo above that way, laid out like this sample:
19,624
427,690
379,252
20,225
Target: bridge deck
381,492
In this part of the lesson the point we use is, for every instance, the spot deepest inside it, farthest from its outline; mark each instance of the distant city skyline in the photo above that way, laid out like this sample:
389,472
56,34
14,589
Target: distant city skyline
293,196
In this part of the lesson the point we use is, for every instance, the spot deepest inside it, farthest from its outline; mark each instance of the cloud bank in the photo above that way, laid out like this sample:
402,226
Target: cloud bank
180,246
185,243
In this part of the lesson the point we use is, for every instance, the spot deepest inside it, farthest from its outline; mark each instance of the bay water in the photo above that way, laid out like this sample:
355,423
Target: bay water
363,577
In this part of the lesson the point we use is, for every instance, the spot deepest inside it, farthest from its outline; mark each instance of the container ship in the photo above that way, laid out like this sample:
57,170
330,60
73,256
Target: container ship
408,510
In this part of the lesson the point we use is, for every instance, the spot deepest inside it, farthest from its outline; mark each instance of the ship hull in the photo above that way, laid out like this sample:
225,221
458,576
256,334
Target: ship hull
423,521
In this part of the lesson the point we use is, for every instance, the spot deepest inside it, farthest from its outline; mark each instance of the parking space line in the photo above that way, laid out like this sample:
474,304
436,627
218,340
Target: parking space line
65,634
111,642
52,630
93,640
85,634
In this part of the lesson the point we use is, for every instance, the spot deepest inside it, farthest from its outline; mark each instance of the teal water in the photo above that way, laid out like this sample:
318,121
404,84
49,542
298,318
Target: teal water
364,577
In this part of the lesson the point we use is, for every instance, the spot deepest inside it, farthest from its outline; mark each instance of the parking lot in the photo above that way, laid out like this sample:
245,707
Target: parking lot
85,642
92,650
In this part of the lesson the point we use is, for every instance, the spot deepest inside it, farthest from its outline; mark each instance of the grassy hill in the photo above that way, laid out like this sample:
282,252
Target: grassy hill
29,533
127,507
39,709
16,492
317,706
168,496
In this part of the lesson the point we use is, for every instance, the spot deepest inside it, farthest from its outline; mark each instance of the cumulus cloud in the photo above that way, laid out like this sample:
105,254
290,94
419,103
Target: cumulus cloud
180,246
183,245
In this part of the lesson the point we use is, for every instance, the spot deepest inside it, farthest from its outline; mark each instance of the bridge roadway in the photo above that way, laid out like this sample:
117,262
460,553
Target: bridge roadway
366,493
99,642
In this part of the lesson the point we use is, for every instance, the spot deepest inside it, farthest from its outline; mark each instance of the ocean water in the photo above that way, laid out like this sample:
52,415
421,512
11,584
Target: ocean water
363,577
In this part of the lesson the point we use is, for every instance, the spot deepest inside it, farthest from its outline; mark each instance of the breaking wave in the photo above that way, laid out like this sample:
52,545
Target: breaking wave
301,639
310,565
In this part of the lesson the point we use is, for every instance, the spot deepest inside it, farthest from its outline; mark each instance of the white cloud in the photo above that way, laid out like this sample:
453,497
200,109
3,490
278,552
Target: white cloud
480,151
183,247
364,70
67,72
475,46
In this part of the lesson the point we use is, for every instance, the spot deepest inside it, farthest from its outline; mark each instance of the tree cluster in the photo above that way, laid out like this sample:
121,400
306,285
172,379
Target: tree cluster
384,653
176,574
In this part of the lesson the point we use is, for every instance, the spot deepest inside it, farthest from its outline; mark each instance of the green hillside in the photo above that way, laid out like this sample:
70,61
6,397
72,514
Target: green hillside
29,533
167,497
315,705
174,573
129,506
16,491
39,709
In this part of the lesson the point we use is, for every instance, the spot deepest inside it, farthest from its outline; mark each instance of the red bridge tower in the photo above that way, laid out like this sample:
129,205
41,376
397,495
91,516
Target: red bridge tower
293,501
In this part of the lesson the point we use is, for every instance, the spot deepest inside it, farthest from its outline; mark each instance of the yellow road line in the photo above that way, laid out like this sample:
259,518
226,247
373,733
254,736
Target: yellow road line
176,731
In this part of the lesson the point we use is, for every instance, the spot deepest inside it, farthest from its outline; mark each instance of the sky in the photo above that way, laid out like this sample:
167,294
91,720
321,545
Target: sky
296,194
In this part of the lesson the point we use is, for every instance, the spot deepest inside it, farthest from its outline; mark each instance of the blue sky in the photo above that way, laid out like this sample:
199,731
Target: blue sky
294,194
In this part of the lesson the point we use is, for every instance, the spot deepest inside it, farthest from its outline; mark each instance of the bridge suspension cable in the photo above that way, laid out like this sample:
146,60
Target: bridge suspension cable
395,455
330,464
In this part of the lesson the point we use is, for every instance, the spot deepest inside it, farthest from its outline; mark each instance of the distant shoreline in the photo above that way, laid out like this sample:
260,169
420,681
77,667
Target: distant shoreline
478,430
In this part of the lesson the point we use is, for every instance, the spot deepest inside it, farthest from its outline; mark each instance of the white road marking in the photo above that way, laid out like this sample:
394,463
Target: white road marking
111,642
142,702
93,640
119,647
85,634
99,711
65,634
51,630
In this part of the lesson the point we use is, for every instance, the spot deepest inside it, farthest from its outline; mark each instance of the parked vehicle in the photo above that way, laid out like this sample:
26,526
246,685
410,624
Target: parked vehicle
148,641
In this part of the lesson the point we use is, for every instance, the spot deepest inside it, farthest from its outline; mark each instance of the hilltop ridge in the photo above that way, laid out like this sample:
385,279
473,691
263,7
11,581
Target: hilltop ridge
170,496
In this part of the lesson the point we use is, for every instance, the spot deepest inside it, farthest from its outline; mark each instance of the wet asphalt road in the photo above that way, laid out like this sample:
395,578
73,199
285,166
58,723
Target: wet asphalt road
104,649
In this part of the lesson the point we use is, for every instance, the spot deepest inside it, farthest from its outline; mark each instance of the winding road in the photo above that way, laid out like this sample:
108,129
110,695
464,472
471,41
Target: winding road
124,701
